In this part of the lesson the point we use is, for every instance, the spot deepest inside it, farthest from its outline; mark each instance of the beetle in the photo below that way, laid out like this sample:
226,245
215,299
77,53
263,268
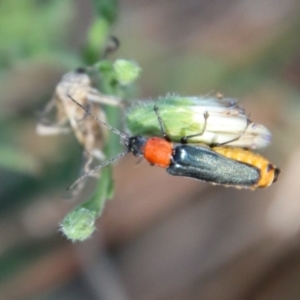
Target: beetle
234,167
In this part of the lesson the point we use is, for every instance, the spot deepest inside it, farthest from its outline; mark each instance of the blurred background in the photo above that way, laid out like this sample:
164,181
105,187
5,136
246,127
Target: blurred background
160,237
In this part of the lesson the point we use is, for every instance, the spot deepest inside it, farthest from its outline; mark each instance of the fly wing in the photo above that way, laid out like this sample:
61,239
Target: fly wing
204,164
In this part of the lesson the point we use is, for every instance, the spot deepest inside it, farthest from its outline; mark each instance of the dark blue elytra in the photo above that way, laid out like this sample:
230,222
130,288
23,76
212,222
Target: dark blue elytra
204,164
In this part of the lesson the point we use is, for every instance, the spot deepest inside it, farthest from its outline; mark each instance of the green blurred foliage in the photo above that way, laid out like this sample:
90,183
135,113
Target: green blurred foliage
107,9
28,29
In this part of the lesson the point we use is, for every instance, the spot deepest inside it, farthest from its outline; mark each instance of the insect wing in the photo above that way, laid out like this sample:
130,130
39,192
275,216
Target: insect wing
202,163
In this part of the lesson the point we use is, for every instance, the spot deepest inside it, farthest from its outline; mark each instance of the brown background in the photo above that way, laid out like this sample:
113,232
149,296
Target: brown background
163,237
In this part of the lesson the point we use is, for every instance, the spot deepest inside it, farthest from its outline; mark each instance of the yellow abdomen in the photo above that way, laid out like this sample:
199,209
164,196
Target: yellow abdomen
268,172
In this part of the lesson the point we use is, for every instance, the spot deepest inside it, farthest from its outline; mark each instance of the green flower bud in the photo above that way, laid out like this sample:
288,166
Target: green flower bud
184,116
79,224
126,71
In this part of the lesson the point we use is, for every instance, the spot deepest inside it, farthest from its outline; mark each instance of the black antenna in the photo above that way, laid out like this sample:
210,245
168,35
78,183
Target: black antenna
124,137
124,140
96,169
